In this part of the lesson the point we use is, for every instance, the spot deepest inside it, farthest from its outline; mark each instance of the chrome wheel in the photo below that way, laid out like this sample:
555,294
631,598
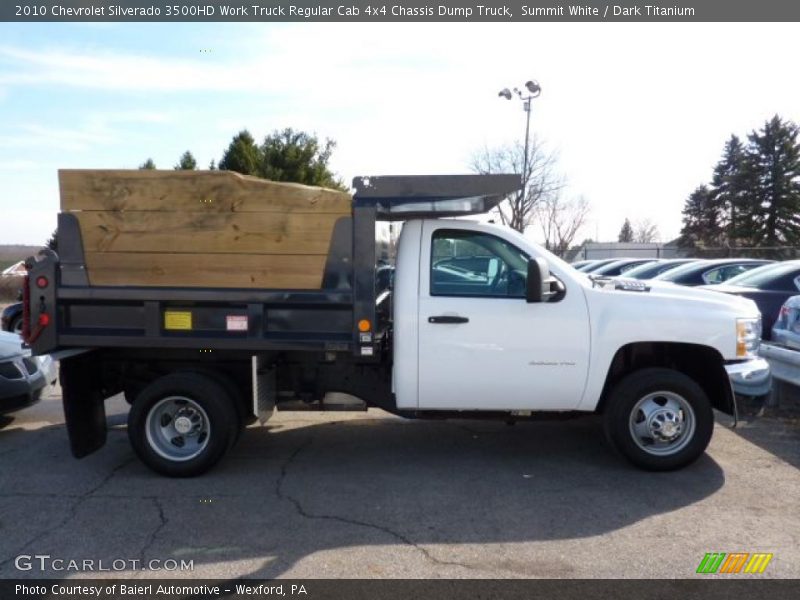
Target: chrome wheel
177,428
662,423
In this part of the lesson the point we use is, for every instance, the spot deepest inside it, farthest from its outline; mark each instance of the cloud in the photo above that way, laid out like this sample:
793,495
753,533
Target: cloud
53,138
282,61
96,129
18,165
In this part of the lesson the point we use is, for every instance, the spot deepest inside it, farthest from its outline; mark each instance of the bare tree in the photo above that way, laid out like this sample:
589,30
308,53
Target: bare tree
561,221
645,232
543,180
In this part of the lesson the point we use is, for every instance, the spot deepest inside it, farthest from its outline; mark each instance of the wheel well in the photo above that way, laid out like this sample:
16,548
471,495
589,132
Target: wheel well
133,377
703,364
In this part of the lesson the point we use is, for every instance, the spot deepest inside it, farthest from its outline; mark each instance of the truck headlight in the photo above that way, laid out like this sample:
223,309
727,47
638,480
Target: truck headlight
748,337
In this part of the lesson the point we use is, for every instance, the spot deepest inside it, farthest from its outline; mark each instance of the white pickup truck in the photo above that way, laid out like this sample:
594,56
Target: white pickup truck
480,323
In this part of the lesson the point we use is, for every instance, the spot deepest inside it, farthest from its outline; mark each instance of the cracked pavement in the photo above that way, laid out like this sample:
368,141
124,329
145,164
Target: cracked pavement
372,495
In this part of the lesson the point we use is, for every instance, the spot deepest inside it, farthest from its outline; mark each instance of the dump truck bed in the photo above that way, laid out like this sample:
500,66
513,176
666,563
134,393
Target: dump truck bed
73,304
203,229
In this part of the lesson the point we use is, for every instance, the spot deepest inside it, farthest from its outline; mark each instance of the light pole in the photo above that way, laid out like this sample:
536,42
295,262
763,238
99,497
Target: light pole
533,91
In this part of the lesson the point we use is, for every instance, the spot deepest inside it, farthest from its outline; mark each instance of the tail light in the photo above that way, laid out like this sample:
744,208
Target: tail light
26,309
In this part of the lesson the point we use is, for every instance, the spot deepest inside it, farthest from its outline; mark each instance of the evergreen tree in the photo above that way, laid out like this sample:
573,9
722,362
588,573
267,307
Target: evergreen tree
701,220
52,241
212,166
772,216
297,156
186,162
147,165
731,192
626,233
242,155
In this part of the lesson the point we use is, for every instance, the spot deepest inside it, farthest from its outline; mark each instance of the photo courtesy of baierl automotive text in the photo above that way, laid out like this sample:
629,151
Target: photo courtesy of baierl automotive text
358,300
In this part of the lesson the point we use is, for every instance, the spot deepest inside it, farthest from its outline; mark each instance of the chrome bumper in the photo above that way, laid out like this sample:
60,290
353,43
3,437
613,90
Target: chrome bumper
750,377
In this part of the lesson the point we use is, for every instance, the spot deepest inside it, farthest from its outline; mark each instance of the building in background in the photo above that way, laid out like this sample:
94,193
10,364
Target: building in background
600,250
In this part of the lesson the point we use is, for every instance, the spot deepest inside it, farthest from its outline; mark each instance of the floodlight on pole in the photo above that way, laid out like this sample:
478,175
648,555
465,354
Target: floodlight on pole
534,90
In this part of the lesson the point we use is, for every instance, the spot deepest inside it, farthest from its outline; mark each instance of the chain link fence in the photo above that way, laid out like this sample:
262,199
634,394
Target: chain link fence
669,251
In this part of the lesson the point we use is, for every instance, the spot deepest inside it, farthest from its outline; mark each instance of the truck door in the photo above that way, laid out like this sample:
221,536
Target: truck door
481,345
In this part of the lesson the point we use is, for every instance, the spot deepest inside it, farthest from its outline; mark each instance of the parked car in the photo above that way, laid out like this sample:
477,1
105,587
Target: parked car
578,264
598,263
786,330
384,278
650,270
710,272
22,376
11,318
769,287
618,267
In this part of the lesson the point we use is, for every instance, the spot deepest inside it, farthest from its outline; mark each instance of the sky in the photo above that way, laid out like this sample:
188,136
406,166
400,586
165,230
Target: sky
637,113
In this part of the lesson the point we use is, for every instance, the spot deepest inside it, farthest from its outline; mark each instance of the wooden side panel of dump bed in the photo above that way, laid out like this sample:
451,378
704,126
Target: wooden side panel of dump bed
201,228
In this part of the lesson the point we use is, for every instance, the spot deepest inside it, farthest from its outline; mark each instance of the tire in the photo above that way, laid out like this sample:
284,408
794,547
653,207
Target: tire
234,392
182,424
659,419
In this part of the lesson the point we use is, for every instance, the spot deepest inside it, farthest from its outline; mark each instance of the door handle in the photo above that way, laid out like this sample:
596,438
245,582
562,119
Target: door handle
448,319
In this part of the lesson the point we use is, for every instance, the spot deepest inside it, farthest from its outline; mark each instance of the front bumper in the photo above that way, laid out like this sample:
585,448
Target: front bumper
16,394
750,377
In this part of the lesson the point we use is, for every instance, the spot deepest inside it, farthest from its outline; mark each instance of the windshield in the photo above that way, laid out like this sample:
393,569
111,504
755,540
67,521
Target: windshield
648,270
677,273
759,276
621,266
596,265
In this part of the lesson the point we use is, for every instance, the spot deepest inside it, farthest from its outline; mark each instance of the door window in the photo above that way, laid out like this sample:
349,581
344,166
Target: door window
468,263
724,273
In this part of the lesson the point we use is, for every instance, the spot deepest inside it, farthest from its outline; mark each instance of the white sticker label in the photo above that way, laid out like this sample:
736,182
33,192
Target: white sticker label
236,322
366,351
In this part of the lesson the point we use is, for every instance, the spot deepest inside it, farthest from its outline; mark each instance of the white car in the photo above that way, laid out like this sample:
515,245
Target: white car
23,377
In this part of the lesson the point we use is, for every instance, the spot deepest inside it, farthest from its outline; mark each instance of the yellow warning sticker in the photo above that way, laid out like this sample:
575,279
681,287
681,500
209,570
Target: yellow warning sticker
174,319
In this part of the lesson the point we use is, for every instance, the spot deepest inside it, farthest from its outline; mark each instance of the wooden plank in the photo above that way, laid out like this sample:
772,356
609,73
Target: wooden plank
206,191
190,232
205,270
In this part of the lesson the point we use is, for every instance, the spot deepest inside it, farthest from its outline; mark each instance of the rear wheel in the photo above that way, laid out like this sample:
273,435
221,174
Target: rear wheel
659,419
182,424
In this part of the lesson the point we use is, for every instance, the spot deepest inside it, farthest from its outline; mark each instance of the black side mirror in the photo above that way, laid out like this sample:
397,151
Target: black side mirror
538,285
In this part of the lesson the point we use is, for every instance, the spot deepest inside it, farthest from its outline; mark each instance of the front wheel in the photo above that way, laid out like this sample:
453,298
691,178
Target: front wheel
181,424
659,419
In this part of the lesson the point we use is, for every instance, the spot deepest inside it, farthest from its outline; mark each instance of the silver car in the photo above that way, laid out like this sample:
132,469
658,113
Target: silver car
23,377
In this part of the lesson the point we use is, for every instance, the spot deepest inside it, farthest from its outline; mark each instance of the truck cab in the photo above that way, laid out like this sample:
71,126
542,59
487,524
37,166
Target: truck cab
470,335
480,323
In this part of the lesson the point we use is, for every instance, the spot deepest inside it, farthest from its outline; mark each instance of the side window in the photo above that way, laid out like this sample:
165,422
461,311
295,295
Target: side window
712,276
468,263
722,274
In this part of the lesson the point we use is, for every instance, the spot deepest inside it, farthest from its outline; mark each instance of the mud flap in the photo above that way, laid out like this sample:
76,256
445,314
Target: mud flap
84,408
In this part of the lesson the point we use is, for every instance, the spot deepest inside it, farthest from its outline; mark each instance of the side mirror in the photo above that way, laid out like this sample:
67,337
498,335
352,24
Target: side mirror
537,288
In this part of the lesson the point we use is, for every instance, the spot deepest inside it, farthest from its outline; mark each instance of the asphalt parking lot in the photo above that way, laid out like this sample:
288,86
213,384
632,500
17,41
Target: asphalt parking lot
371,495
